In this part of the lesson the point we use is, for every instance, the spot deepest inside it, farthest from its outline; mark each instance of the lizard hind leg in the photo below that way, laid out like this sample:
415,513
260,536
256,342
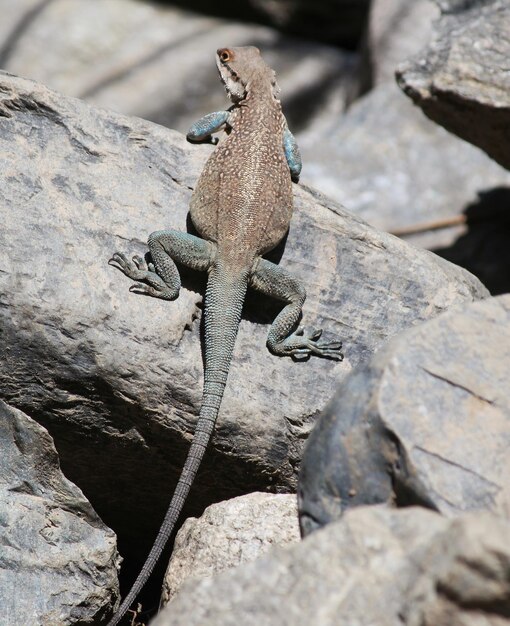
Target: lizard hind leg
161,278
284,337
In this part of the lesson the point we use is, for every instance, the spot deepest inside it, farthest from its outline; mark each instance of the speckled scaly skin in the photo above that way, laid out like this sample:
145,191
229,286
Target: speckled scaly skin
241,207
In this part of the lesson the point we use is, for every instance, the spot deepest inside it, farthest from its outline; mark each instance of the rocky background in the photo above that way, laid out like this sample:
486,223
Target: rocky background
403,482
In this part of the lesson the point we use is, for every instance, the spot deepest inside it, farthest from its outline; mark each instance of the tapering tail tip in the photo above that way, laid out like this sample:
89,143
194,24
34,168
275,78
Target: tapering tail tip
223,306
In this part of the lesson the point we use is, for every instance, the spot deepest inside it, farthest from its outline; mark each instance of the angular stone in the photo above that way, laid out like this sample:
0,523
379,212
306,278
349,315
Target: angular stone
115,377
375,566
230,533
425,421
57,558
461,80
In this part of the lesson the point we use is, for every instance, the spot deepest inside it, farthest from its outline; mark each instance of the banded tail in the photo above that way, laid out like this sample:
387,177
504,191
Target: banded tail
224,301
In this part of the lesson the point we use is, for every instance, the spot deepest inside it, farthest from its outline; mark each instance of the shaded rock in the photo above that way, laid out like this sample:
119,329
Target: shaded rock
426,421
461,80
339,22
484,247
230,533
375,566
397,29
157,61
394,168
117,378
57,559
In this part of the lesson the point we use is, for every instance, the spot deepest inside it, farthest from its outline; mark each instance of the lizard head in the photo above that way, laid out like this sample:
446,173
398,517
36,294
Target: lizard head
240,68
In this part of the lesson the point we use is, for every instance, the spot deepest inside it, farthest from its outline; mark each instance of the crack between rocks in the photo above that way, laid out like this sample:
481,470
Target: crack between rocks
130,239
458,385
176,180
459,466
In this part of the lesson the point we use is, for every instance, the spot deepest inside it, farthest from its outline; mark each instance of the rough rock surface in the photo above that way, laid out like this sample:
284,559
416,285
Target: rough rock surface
230,533
57,559
462,80
426,421
115,377
157,61
397,29
376,566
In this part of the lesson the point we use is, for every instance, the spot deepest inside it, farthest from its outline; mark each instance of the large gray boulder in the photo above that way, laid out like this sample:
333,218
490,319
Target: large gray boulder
402,173
156,61
461,80
376,566
57,559
115,377
229,533
396,169
426,421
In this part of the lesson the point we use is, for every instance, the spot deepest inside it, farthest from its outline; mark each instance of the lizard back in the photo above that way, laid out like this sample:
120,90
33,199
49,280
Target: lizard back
243,199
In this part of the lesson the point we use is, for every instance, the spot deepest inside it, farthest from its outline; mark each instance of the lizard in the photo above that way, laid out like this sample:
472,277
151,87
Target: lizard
241,207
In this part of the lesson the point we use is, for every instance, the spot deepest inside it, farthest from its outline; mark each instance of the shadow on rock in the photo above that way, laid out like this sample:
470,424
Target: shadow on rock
484,249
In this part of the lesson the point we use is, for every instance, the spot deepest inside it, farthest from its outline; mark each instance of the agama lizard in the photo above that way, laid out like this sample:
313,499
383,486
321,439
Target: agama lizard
241,207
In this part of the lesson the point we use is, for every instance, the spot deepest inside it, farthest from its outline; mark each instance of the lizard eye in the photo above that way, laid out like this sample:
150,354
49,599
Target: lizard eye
225,55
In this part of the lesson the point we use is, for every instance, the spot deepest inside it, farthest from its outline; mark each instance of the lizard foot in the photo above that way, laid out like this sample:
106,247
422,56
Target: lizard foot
305,342
139,270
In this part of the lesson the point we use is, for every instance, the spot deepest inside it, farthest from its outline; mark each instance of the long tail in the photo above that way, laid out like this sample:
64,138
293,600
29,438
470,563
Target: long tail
223,306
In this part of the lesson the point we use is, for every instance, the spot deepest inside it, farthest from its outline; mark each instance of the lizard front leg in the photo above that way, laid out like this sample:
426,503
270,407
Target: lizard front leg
160,278
292,154
284,338
207,125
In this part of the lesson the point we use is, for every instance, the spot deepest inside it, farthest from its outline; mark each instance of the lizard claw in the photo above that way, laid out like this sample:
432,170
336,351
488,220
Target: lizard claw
138,288
305,342
135,269
146,290
140,263
149,282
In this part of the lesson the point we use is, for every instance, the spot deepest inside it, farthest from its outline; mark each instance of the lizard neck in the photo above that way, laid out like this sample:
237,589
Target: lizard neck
260,90
258,106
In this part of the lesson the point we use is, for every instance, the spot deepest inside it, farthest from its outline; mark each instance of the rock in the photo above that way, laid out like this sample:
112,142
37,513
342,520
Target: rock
339,22
402,173
375,566
461,80
484,248
157,61
394,168
425,421
15,15
397,29
117,378
58,560
230,533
